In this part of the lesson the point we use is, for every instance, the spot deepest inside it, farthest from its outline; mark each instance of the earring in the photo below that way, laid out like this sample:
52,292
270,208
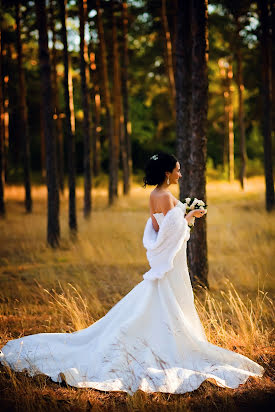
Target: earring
168,181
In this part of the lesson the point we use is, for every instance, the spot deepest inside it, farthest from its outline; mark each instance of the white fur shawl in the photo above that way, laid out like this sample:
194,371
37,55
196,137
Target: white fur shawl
162,246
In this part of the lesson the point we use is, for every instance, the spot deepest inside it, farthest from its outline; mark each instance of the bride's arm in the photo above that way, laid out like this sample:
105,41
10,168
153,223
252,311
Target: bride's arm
196,212
167,204
155,223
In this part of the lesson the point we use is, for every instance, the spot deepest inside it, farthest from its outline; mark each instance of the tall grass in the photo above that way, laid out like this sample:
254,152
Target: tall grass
237,321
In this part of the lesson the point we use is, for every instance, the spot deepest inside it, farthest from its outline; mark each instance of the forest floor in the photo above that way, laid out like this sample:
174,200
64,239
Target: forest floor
63,290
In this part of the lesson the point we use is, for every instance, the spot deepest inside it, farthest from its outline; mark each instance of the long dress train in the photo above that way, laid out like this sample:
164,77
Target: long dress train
152,339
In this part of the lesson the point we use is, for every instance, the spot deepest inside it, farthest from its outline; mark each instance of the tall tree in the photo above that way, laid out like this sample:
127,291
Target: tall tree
272,9
174,33
236,13
70,138
85,105
227,90
106,100
197,257
168,55
265,42
240,84
224,90
230,122
53,230
2,180
24,130
120,143
124,89
71,94
6,115
116,103
183,92
57,117
96,107
42,143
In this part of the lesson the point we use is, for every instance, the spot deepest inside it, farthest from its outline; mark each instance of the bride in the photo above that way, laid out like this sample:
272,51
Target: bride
152,339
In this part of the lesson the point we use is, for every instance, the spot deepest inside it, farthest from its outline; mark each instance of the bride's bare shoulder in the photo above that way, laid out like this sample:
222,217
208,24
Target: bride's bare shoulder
160,195
161,201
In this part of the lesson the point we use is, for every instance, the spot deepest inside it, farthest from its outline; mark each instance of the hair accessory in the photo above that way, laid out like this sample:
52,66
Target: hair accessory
155,157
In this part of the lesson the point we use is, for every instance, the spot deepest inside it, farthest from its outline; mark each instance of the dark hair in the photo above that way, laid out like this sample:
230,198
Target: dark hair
156,167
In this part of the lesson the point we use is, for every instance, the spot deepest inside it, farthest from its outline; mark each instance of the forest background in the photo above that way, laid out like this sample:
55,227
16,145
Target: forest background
150,107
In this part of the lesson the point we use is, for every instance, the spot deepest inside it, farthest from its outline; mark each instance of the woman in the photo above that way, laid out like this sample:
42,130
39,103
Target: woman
152,339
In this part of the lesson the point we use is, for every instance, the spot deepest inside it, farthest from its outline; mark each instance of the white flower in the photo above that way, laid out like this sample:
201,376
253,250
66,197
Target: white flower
187,200
201,207
195,201
200,203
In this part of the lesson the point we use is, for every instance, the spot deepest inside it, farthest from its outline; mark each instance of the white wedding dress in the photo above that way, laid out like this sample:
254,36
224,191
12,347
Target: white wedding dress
152,339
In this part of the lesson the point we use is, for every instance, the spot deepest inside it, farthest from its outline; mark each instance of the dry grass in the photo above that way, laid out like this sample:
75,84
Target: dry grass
45,290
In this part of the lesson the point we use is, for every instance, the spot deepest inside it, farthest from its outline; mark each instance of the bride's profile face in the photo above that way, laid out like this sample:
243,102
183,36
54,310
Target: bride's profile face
175,175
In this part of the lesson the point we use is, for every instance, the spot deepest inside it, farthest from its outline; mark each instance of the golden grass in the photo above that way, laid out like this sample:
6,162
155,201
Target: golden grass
45,290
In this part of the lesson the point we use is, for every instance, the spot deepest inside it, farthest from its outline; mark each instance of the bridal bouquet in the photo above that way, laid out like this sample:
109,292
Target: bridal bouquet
191,204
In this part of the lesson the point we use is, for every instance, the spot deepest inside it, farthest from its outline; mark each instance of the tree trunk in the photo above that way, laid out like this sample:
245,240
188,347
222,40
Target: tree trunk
2,180
228,144
24,132
116,104
240,84
168,56
173,33
57,118
86,120
265,42
88,78
68,129
230,124
106,100
120,143
53,233
95,94
223,75
272,8
124,89
183,93
42,143
6,125
197,256
71,94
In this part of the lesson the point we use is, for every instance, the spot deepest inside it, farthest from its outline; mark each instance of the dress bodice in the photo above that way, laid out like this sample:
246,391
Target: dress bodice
160,216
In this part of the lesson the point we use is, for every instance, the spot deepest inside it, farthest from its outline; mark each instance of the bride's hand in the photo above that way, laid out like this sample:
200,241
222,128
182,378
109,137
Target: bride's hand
198,212
194,213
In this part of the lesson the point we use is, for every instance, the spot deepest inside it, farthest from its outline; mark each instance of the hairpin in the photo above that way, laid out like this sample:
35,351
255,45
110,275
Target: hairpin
155,157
